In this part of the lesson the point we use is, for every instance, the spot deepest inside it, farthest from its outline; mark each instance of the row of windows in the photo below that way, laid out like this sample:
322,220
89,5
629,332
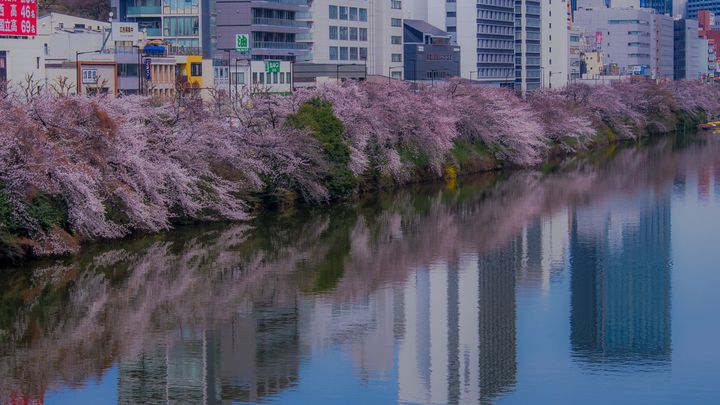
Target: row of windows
640,33
639,44
181,26
496,3
180,6
348,33
494,29
272,78
494,72
495,15
495,57
347,53
348,13
641,22
495,44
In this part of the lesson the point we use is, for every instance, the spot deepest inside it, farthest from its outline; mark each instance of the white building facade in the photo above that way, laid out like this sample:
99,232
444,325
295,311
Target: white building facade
555,46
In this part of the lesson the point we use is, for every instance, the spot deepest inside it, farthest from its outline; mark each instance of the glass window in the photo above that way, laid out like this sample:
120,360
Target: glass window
239,77
396,4
353,34
353,13
363,53
363,14
275,77
333,53
288,78
363,34
353,54
344,33
282,78
255,78
343,53
395,22
396,39
333,32
333,12
181,26
397,57
343,13
124,69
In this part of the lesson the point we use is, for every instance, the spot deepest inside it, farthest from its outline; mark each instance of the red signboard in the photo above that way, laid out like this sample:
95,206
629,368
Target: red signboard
18,17
598,38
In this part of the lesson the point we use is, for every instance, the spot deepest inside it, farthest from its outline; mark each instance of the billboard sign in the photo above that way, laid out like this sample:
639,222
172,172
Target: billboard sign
242,43
89,76
124,31
272,66
18,17
147,67
598,38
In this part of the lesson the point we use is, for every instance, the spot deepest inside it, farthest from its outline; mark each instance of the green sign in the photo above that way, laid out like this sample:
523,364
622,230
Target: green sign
272,66
242,43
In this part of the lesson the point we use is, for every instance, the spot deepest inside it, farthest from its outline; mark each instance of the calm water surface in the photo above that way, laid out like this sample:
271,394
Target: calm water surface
597,282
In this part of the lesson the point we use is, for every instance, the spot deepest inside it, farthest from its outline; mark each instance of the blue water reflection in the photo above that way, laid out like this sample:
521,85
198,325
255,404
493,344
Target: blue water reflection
595,284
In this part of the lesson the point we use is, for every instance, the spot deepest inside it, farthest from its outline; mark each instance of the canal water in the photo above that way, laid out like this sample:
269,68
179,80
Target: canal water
592,281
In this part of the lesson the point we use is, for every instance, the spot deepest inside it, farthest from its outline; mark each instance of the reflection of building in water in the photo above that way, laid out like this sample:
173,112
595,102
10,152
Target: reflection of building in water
620,304
545,244
250,358
473,359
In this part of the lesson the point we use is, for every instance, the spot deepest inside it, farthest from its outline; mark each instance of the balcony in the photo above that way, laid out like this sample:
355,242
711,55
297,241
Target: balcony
280,45
143,10
279,22
303,16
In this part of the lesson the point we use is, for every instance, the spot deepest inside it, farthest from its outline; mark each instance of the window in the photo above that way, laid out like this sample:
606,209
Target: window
344,33
255,78
397,57
282,78
333,53
363,14
363,53
262,78
353,54
397,75
181,26
275,77
37,62
451,14
363,34
396,4
353,13
343,13
333,11
343,53
396,40
127,69
288,78
196,69
353,34
239,77
395,22
333,32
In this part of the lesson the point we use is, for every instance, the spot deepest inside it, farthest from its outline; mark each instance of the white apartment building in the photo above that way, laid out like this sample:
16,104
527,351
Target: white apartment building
554,41
359,32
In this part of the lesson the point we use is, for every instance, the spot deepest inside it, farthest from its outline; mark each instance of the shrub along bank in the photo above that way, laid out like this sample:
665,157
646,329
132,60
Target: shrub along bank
74,169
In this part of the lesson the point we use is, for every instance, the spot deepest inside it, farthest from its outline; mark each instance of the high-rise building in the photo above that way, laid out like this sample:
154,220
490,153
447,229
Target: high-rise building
691,51
528,59
554,43
695,6
661,6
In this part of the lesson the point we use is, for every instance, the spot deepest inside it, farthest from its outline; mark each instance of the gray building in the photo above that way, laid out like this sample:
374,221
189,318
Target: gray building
691,51
633,39
429,52
495,42
527,45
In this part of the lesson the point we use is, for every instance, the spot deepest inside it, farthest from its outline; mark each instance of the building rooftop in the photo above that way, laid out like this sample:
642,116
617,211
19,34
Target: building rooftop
426,28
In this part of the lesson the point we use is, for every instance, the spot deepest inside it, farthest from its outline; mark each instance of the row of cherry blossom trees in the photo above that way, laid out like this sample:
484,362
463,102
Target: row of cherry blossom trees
83,168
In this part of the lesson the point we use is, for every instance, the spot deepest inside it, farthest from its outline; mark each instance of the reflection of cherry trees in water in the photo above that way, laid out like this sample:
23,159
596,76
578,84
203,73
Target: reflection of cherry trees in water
68,321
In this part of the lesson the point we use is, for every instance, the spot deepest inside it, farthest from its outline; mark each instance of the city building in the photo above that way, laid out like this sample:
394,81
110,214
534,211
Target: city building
429,52
528,63
691,51
576,47
554,43
695,6
175,22
635,40
660,6
386,39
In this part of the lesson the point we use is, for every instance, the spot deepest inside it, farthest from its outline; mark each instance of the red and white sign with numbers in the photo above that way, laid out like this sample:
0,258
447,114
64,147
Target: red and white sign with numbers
18,17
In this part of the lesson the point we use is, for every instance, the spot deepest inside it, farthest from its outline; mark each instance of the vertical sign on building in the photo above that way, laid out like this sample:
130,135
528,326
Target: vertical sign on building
148,71
598,38
18,17
242,43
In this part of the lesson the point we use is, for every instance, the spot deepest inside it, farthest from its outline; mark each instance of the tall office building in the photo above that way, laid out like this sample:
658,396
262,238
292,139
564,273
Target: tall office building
554,41
691,51
693,6
527,45
661,6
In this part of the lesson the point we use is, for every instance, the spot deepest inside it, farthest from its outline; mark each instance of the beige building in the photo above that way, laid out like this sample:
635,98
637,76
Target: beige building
358,32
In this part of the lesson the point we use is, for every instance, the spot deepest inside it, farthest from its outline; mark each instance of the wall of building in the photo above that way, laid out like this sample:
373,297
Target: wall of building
554,40
23,57
344,41
384,56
